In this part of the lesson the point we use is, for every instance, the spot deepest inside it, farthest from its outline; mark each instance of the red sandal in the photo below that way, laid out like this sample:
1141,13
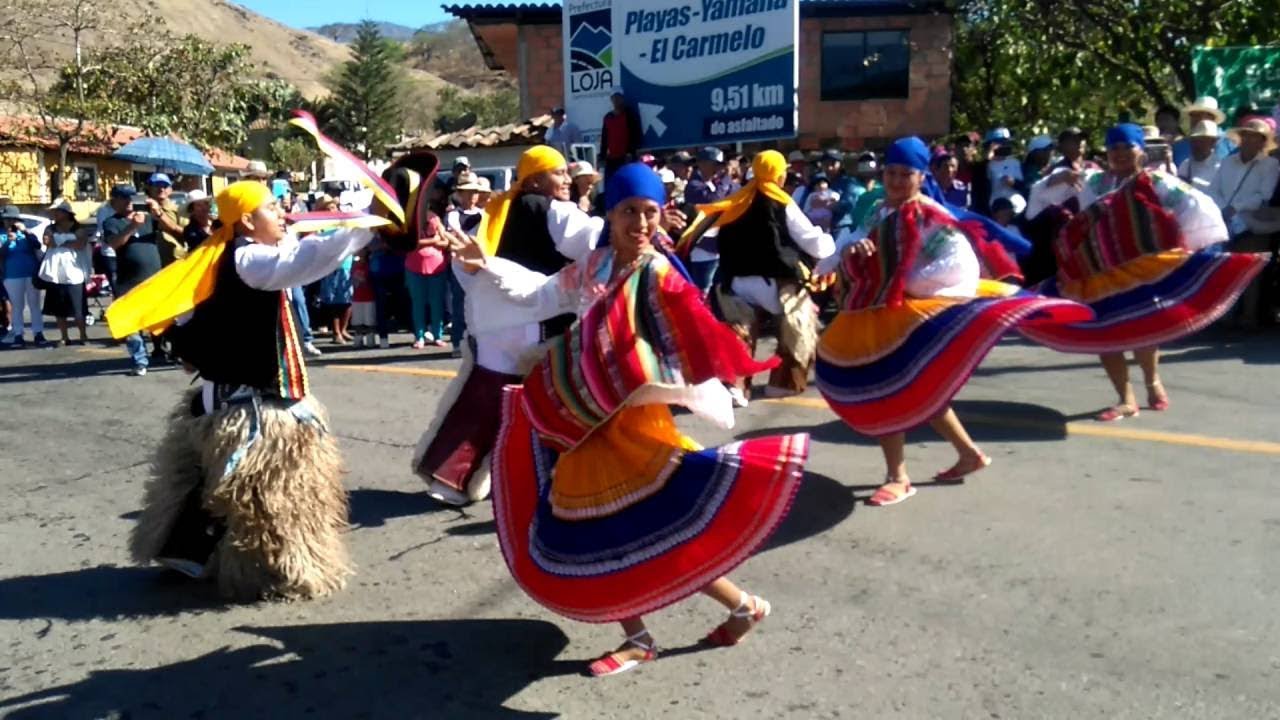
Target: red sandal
957,474
723,637
1157,398
610,665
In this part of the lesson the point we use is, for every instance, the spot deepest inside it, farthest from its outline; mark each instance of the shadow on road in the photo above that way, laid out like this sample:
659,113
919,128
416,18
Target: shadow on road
417,357
986,420
373,508
63,371
427,669
104,592
821,504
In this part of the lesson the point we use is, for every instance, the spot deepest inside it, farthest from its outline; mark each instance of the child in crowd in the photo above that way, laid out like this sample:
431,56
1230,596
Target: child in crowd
335,299
1005,212
818,206
363,316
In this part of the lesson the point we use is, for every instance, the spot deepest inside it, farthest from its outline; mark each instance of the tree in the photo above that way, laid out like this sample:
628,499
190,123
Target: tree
498,107
293,154
64,111
1040,64
366,112
202,91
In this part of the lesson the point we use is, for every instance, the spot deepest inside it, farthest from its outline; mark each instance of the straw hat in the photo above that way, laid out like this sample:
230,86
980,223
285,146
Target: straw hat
1255,125
469,181
1206,104
582,168
1205,129
62,204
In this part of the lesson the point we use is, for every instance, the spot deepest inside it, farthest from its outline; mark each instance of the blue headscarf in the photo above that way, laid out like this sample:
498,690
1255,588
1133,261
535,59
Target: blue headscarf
637,180
634,180
909,152
1126,134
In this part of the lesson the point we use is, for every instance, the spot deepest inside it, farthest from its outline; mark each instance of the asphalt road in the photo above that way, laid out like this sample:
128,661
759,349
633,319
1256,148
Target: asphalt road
1119,571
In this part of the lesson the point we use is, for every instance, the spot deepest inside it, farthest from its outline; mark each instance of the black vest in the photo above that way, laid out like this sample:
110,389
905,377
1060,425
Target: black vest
757,243
525,238
527,241
231,337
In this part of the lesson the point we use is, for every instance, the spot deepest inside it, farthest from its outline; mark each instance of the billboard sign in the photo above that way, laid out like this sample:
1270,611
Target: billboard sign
700,72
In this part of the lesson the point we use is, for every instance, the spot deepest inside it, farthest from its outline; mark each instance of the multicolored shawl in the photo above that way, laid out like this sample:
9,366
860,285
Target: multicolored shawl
649,329
291,378
881,279
1123,225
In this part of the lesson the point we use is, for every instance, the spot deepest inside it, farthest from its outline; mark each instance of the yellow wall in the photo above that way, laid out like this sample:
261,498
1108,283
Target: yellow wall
20,176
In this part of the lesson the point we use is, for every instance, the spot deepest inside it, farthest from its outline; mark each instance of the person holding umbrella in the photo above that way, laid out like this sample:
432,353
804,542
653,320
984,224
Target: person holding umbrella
163,223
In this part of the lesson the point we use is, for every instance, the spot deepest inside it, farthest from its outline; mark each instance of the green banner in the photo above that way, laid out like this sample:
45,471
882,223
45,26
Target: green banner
1238,76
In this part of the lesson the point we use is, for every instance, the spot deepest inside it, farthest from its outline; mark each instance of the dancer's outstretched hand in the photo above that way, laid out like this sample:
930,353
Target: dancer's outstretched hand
465,250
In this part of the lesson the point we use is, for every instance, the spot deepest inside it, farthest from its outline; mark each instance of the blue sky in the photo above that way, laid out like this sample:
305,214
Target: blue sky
412,13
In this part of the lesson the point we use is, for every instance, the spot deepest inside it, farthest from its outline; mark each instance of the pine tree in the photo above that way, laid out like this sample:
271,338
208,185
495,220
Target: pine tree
365,103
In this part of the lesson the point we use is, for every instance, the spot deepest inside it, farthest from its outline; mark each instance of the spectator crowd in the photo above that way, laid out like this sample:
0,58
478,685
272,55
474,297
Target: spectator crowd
67,267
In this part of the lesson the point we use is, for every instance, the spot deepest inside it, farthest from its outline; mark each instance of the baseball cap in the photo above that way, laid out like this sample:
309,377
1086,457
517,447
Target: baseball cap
1040,142
557,110
832,155
462,160
256,169
159,179
711,154
1070,133
796,156
999,134
10,212
582,168
666,176
62,204
123,191
683,157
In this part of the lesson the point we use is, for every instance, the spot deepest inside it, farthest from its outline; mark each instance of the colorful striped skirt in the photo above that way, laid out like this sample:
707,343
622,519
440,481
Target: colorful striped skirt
702,513
1149,301
885,370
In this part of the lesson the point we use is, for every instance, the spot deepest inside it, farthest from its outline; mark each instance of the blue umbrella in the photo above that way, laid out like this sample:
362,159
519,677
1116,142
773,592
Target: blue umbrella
166,154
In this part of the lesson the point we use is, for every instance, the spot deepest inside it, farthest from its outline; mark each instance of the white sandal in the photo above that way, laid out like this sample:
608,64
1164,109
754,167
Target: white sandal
609,665
721,637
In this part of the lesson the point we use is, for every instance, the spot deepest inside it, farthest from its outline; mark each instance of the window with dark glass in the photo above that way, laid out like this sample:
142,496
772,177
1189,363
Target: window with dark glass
866,65
86,182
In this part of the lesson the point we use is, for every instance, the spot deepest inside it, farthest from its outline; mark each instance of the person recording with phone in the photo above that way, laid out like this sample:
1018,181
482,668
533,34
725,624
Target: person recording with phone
137,258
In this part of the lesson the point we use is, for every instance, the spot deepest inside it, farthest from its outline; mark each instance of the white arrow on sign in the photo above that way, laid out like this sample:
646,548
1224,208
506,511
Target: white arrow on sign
649,119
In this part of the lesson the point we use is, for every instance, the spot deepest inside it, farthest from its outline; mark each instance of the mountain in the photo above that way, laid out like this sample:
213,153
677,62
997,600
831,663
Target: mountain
346,32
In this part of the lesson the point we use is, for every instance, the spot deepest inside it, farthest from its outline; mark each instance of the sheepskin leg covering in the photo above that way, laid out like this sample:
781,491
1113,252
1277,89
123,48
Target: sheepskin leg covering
284,506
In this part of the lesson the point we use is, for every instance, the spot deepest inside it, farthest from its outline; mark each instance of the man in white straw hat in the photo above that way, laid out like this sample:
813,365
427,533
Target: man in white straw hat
1204,108
1247,179
1243,188
1202,166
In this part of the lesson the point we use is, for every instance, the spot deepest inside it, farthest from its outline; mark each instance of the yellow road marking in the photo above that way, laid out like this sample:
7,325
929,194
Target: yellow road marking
1086,429
393,370
1089,429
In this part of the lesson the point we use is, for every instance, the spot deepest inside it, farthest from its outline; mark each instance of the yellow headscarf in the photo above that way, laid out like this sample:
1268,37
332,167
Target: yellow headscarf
768,171
180,287
540,159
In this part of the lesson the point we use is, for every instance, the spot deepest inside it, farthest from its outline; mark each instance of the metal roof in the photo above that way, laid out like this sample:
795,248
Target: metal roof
549,12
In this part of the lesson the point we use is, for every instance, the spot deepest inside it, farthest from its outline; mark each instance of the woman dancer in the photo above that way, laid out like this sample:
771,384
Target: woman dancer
605,511
1144,253
916,320
247,488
